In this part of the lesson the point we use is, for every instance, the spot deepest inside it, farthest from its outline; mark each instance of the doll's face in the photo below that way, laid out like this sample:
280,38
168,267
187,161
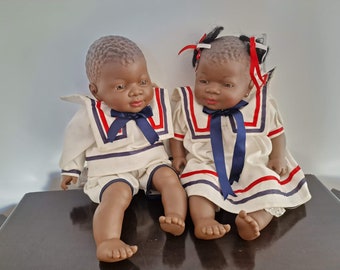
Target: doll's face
222,85
124,87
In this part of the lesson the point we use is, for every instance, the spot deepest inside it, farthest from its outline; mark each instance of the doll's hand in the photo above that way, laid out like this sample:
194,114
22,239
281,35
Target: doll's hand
66,181
279,165
178,164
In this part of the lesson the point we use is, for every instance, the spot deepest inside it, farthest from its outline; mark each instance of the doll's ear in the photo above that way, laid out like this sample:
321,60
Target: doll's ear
250,86
93,89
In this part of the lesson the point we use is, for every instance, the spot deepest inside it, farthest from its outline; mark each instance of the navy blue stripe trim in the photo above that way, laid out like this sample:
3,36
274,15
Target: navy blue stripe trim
96,118
71,171
206,182
122,154
149,184
165,112
187,113
100,127
271,191
112,182
231,119
256,195
263,115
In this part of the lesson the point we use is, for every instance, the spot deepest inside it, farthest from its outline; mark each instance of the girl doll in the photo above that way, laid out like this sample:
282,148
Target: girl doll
229,143
120,134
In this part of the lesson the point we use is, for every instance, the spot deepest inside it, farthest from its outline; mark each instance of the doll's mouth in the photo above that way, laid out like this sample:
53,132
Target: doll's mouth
136,104
209,101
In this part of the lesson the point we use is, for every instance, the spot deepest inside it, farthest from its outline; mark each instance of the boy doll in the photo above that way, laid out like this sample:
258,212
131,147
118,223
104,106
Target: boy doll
119,134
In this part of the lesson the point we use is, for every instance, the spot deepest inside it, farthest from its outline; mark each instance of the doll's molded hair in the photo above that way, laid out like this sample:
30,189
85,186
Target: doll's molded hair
109,48
226,48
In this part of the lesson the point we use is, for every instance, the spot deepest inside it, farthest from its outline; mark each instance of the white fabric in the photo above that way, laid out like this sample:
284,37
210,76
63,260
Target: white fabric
86,141
258,187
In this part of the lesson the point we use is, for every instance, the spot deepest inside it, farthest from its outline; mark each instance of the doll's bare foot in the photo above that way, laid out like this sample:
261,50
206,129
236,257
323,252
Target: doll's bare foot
247,226
172,224
208,229
114,250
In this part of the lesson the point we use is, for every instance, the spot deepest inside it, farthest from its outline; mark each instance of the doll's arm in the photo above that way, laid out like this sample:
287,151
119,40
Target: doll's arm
71,170
277,160
78,138
178,154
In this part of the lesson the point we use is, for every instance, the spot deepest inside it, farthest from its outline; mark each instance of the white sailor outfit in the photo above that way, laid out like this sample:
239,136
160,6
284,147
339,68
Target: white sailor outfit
258,187
130,157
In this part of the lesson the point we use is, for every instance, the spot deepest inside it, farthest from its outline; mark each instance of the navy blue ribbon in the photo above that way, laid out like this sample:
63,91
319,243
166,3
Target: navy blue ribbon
123,117
217,146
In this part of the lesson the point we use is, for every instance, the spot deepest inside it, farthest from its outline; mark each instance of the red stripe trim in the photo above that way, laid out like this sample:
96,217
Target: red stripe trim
179,136
160,110
253,184
198,172
192,113
274,132
151,120
102,116
258,103
253,123
270,178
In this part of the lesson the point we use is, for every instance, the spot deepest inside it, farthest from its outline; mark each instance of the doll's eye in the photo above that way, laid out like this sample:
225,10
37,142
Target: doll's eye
204,81
143,82
119,87
228,85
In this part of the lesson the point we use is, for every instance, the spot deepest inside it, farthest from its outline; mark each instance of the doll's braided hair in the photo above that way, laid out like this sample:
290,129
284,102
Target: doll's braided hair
109,48
232,50
260,52
210,37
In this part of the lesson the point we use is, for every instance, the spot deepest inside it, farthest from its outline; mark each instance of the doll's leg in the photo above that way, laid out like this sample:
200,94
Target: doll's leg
107,223
202,213
249,225
174,200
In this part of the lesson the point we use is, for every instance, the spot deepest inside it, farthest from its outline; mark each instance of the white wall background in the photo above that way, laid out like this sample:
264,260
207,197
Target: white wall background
43,46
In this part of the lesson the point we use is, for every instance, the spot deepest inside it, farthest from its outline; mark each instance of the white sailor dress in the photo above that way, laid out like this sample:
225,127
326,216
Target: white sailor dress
86,139
258,187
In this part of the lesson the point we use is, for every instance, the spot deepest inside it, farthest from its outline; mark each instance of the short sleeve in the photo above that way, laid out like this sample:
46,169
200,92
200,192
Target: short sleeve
78,138
178,116
274,120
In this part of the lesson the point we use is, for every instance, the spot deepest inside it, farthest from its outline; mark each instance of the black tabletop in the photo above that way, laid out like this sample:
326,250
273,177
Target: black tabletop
53,230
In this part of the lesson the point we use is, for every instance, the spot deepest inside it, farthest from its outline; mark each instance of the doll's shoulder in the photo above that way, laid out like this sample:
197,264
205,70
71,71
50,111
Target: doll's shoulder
180,93
78,99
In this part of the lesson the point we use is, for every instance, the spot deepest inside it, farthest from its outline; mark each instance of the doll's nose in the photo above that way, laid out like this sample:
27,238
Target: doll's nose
212,89
135,90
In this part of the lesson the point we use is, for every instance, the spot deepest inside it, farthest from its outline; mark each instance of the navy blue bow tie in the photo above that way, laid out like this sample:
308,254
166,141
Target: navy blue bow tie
123,117
217,146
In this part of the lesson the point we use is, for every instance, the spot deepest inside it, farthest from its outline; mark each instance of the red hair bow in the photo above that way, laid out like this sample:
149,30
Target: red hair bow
196,47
